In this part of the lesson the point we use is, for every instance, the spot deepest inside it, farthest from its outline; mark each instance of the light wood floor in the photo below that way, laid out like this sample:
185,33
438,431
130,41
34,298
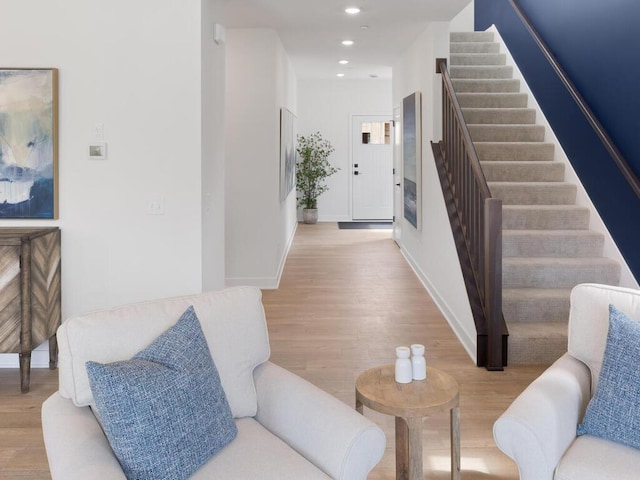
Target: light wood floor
346,300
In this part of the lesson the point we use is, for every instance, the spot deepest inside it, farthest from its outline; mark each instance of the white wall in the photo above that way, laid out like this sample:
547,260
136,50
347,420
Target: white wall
136,68
259,228
213,117
327,106
464,21
431,251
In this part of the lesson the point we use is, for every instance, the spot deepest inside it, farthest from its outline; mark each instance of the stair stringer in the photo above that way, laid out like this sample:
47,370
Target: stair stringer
596,223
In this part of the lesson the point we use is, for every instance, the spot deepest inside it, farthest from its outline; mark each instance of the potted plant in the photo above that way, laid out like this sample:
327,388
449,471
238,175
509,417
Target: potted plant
312,169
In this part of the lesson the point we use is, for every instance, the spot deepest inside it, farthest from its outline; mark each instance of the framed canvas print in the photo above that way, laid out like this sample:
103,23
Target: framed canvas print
28,143
288,155
412,157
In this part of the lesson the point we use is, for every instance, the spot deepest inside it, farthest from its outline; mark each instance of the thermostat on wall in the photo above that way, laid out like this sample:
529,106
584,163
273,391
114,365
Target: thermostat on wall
97,151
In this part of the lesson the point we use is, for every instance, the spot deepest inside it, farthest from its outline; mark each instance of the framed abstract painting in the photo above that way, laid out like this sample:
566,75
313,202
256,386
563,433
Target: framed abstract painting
288,135
28,143
412,158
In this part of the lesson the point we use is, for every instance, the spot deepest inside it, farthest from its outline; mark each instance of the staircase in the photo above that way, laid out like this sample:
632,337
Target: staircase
547,246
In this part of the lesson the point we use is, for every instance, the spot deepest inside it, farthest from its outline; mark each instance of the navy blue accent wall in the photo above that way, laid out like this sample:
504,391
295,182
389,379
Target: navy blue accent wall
587,37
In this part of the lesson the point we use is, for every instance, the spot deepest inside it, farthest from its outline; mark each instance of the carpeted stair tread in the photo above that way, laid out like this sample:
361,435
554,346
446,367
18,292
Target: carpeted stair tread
492,100
477,59
474,47
534,193
540,217
523,171
547,247
552,243
519,116
471,37
481,71
528,305
536,343
542,272
486,85
510,151
506,133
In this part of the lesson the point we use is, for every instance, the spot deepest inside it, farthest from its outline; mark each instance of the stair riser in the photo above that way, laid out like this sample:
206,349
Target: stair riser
471,37
544,219
458,71
533,309
506,133
485,86
523,171
477,59
557,276
530,152
536,351
492,100
474,47
501,116
566,246
543,194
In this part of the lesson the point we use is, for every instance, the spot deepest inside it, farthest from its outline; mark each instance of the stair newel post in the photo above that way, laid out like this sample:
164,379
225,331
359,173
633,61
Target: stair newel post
493,281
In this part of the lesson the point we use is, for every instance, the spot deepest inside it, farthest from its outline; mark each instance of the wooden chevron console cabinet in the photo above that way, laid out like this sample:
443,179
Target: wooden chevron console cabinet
29,294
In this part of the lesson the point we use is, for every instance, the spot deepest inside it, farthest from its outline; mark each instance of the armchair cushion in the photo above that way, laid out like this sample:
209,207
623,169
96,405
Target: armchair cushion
164,411
614,411
232,320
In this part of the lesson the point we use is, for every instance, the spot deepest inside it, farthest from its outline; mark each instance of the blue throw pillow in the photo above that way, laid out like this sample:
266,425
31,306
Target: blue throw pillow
164,411
614,411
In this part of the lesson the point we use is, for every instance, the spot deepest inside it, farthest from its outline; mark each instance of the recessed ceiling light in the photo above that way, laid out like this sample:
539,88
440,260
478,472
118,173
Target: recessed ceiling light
364,27
373,75
343,62
347,42
339,74
352,10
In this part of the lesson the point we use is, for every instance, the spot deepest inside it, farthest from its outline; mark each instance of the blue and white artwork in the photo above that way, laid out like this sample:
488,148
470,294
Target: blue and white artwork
288,155
28,151
412,157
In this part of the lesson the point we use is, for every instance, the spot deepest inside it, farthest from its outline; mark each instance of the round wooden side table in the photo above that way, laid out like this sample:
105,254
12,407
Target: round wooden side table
410,403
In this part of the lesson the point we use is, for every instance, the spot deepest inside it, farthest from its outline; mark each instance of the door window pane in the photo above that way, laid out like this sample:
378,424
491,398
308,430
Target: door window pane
376,133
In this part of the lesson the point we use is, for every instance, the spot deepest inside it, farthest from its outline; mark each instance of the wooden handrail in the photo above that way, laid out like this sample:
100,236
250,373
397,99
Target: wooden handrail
600,131
479,217
466,136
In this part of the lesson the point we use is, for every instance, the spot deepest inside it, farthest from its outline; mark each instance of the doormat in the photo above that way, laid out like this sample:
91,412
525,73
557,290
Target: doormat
365,225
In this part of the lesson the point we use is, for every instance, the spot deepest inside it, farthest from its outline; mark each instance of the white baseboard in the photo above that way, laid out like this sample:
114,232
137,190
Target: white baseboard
265,283
468,343
39,358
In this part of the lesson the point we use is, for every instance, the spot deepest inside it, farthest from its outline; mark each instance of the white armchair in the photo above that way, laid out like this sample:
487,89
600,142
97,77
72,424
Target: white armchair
287,428
538,430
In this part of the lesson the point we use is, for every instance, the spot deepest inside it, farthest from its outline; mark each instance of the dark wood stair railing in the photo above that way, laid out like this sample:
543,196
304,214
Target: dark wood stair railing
476,222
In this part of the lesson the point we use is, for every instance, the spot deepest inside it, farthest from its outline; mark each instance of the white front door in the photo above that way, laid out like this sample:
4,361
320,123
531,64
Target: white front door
372,167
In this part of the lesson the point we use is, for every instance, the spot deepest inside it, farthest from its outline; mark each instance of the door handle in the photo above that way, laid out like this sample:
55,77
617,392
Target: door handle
357,173
397,184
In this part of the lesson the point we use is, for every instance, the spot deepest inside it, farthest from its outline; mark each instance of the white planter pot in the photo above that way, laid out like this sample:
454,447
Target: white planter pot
310,215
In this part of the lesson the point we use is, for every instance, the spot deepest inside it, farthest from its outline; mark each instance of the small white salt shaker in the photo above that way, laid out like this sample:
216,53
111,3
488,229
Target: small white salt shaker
418,363
403,365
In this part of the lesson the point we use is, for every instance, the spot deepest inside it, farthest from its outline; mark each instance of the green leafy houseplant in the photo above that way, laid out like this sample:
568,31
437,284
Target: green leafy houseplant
313,168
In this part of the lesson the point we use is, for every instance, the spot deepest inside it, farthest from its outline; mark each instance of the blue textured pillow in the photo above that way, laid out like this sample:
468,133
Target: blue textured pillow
164,411
614,411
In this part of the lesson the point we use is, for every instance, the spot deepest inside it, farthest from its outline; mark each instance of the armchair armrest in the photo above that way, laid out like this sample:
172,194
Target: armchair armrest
77,448
540,424
334,437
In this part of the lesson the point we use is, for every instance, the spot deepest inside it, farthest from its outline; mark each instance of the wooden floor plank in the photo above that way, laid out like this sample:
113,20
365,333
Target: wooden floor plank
347,298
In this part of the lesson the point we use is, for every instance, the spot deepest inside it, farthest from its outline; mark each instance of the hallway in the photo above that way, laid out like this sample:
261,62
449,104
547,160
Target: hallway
347,298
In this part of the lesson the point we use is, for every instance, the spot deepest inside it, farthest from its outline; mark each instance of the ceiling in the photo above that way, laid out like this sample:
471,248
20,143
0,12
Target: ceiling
312,31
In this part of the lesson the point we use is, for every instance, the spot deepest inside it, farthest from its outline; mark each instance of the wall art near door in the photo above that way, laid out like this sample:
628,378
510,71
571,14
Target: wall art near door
288,134
412,157
28,143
